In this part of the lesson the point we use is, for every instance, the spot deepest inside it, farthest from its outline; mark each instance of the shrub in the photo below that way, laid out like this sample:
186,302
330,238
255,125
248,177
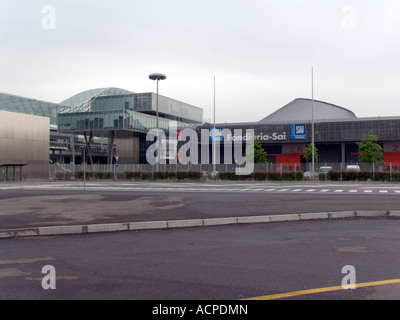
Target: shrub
182,175
99,175
79,174
108,175
170,175
381,176
334,175
129,175
159,175
121,175
260,176
274,176
350,176
289,176
146,175
365,175
194,175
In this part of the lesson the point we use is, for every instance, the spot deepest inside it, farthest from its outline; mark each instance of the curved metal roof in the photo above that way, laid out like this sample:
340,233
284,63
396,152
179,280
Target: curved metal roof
81,101
301,110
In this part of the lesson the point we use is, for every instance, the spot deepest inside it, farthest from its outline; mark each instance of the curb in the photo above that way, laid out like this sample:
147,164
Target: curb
171,224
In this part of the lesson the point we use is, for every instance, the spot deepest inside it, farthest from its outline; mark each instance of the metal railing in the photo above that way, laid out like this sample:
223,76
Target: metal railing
270,171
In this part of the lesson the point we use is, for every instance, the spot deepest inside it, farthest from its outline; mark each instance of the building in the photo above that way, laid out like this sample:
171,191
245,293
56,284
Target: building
105,122
24,146
123,118
285,133
97,123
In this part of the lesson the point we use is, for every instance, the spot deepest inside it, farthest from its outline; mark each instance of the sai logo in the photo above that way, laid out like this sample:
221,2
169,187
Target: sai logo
298,132
218,134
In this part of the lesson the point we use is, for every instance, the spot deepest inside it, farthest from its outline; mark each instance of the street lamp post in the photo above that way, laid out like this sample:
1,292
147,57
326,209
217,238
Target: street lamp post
157,77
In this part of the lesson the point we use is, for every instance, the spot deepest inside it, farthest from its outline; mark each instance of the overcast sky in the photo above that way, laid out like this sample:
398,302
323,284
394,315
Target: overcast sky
260,52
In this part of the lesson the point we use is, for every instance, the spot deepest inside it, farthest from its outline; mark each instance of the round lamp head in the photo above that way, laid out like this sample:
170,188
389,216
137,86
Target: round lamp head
157,76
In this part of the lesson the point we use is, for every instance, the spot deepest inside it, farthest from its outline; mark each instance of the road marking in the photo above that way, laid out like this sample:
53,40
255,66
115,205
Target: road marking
383,191
310,190
297,190
322,290
353,190
338,190
324,190
367,190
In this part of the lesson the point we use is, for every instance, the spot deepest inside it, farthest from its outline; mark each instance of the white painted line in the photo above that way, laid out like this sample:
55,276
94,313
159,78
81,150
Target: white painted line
283,190
353,191
338,190
368,191
297,190
310,190
270,190
383,191
324,190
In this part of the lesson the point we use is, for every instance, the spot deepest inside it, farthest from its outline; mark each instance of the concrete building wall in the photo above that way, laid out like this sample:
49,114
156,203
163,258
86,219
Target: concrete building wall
24,139
127,150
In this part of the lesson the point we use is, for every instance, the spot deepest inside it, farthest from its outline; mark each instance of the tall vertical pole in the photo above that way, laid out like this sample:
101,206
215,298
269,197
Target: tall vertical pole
157,77
158,138
312,124
84,169
214,153
72,137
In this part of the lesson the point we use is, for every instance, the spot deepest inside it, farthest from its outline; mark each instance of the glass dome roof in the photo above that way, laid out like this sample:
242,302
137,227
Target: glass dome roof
81,101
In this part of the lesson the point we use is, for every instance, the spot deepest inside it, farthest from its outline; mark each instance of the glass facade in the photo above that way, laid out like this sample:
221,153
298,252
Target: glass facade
83,100
117,102
13,103
118,109
120,99
168,108
110,120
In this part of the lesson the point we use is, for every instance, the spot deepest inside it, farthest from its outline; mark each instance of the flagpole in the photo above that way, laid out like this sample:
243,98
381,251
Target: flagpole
214,155
312,124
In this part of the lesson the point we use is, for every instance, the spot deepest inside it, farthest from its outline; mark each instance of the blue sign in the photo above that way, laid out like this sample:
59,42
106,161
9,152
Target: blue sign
116,164
218,134
297,132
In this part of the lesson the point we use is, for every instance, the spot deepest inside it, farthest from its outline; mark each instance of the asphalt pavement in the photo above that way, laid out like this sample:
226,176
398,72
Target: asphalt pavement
70,207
